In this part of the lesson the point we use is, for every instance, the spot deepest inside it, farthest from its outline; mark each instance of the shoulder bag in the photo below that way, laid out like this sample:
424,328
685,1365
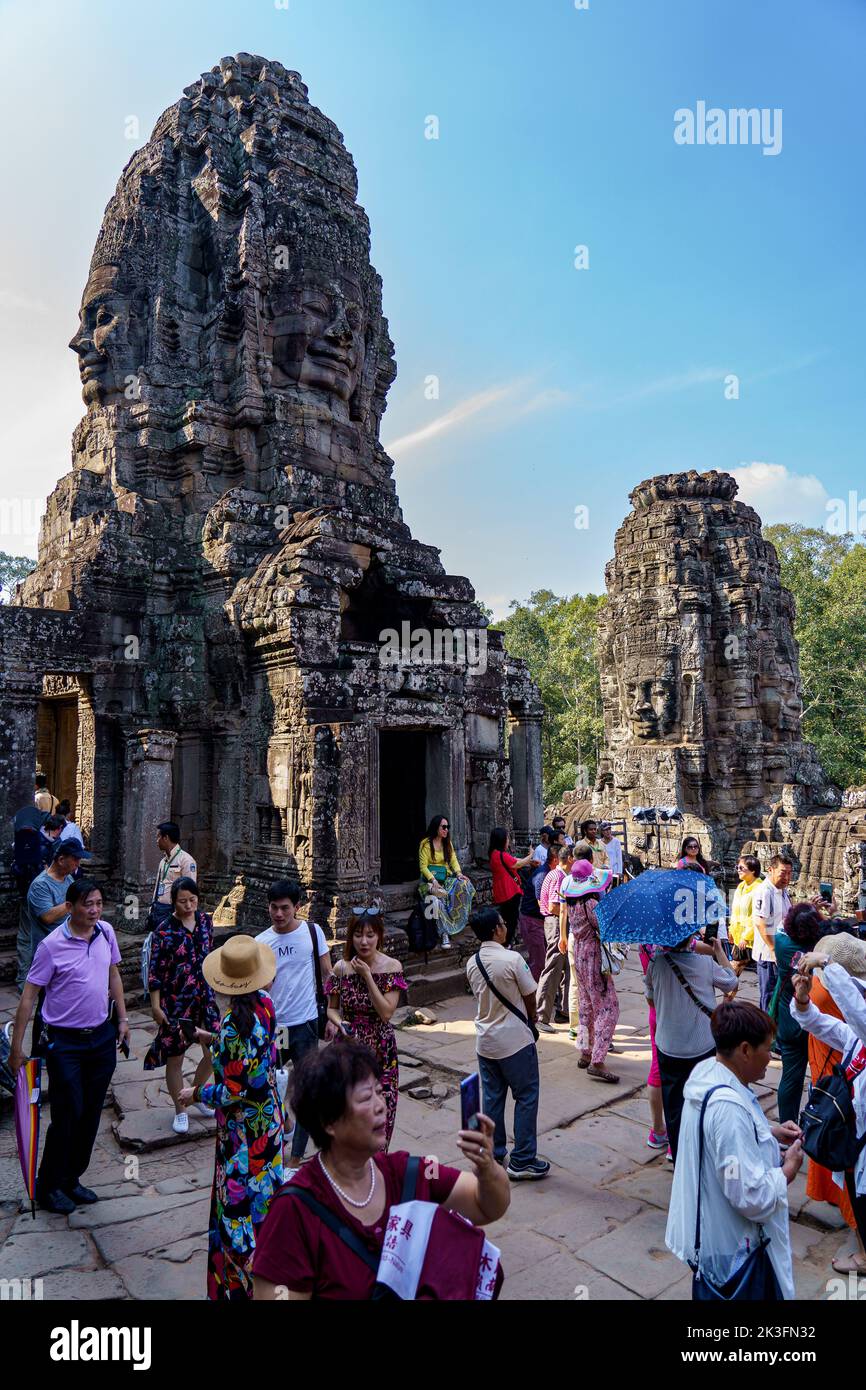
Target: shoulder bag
753,1281
687,987
512,1009
321,1001
342,1231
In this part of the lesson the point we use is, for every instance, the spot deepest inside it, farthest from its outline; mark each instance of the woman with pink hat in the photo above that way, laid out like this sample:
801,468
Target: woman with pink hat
599,1006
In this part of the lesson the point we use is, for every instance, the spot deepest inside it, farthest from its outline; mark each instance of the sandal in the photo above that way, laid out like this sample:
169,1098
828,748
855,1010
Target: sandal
850,1264
584,1060
600,1073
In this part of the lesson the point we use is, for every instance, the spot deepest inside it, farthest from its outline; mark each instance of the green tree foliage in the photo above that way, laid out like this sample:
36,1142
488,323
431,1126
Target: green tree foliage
827,576
557,638
13,568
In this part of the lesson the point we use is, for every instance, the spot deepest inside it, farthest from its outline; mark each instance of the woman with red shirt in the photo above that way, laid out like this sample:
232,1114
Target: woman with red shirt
337,1097
507,888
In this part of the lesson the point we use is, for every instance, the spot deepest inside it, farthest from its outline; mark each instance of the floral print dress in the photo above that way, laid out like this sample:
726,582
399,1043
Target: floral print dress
176,957
359,1012
249,1148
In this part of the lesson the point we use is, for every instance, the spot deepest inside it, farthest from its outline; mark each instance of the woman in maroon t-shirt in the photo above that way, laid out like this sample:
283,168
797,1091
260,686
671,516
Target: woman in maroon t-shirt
507,888
337,1098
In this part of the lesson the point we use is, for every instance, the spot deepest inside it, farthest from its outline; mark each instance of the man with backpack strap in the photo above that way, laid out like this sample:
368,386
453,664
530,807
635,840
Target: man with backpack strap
506,1043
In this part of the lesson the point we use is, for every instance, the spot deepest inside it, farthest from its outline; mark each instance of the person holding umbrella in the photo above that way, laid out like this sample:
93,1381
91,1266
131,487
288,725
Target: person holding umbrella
77,967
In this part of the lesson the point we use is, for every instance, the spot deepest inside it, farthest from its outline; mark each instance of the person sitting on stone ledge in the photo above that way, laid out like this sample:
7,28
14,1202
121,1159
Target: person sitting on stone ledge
439,868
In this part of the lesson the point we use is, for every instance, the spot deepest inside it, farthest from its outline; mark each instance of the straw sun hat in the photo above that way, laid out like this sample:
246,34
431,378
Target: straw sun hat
240,966
847,951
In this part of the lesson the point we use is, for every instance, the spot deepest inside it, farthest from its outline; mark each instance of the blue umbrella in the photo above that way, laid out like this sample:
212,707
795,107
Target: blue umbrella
660,907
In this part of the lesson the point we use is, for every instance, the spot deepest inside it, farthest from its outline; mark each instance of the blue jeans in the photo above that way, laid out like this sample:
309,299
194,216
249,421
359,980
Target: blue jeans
303,1038
519,1075
767,975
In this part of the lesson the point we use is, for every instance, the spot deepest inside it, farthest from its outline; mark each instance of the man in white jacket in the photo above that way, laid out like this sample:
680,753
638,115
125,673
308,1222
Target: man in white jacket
744,1177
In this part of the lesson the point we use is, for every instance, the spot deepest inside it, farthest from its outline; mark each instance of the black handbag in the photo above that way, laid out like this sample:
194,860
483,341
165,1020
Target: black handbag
321,1001
753,1281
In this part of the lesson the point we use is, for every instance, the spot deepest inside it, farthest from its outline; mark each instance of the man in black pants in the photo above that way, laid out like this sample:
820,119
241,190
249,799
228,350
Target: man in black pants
76,965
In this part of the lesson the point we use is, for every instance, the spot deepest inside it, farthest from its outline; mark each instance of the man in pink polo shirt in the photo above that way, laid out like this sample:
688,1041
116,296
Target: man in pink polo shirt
76,965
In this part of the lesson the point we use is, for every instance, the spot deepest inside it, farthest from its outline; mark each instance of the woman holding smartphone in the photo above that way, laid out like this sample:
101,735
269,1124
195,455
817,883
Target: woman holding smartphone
365,990
180,998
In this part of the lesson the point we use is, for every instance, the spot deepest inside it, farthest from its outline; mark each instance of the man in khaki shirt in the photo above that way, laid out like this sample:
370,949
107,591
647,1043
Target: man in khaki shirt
174,864
507,1055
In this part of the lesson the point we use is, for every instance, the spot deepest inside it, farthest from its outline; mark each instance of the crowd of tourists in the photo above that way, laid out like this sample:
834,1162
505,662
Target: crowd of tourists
292,1046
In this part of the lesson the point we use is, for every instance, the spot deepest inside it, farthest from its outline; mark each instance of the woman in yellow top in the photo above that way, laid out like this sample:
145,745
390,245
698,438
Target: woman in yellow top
741,928
439,868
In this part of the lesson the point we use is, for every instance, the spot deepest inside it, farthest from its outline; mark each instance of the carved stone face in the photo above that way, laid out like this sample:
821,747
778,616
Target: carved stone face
651,699
108,340
317,330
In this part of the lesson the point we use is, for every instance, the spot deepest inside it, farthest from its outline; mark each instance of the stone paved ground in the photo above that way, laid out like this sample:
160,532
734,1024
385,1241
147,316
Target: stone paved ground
594,1228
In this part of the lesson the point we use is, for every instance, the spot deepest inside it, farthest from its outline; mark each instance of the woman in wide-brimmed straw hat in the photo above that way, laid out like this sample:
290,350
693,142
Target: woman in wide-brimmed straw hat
249,1148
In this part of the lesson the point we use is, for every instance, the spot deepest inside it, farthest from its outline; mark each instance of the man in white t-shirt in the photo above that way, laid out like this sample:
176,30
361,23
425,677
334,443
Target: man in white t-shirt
613,849
770,906
294,989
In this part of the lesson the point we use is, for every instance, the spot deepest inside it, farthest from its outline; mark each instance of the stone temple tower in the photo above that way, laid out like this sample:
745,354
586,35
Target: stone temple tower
699,669
202,636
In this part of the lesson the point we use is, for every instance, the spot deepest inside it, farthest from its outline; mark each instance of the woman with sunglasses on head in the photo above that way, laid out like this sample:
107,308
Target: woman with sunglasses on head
365,991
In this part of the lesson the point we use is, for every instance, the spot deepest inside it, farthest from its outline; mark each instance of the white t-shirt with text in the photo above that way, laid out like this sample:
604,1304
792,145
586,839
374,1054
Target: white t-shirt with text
294,989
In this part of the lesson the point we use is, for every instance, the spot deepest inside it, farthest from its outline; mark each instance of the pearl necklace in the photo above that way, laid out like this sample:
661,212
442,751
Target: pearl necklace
344,1195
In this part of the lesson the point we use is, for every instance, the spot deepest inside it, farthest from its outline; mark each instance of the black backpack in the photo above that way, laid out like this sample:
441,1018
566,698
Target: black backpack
28,858
421,930
828,1121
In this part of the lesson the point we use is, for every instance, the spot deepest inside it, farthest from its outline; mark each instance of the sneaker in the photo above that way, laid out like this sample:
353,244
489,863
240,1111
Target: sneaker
180,1123
572,1033
446,945
538,1168
656,1141
204,1109
669,1156
544,1027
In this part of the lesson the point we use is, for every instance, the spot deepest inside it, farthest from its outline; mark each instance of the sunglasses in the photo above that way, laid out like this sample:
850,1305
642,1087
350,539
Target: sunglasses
366,911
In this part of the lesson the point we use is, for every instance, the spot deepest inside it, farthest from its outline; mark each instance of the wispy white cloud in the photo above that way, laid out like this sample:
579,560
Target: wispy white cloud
454,418
777,494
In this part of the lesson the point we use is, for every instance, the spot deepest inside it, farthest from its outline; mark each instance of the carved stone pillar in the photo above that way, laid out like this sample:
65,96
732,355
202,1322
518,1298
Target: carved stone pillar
147,801
19,697
524,756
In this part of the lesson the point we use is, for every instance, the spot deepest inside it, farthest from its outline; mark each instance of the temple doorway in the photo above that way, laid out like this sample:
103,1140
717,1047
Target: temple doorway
413,778
57,746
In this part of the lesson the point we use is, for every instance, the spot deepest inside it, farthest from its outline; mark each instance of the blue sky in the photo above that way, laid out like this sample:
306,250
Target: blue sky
559,387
